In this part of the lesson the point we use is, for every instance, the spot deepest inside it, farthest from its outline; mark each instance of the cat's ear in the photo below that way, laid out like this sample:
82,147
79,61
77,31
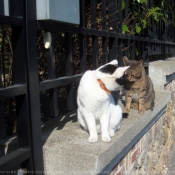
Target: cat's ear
114,62
125,61
120,71
139,63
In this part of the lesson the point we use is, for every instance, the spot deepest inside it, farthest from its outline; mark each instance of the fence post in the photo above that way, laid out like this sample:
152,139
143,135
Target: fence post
94,37
82,38
16,8
33,86
2,117
112,25
50,53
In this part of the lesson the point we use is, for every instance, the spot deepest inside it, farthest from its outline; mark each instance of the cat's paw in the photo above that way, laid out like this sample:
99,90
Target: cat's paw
106,138
111,133
141,111
92,139
126,110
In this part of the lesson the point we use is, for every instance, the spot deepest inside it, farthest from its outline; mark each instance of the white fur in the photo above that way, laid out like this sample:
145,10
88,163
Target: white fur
98,111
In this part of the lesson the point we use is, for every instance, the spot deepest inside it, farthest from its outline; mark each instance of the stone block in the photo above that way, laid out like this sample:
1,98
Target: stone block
66,149
161,73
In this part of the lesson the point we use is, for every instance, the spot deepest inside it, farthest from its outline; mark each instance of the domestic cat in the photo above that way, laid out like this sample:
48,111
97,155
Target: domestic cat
139,90
97,109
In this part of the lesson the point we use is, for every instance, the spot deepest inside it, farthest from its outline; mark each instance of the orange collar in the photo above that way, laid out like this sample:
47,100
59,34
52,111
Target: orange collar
103,86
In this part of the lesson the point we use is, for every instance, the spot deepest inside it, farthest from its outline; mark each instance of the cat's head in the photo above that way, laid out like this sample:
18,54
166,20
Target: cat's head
134,72
111,75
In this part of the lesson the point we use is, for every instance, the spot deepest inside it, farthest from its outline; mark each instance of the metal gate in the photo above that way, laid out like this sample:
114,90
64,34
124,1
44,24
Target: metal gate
26,83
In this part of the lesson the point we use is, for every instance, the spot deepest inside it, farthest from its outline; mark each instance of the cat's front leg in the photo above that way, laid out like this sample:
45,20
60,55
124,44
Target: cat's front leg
104,122
141,106
91,124
128,100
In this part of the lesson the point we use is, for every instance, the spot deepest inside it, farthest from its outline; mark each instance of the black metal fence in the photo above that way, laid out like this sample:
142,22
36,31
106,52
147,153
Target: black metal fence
49,77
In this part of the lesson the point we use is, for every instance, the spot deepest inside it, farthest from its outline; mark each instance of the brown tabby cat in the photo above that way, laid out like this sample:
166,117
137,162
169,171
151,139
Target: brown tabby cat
138,86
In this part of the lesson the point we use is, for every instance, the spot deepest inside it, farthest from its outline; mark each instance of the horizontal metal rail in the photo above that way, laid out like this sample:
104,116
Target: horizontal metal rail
101,33
12,91
13,159
53,83
12,21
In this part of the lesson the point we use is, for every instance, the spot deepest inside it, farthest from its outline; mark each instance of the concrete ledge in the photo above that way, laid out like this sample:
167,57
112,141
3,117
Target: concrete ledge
67,151
162,72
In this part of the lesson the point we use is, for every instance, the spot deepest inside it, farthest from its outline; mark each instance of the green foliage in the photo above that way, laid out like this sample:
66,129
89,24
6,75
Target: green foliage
142,1
142,13
138,28
125,28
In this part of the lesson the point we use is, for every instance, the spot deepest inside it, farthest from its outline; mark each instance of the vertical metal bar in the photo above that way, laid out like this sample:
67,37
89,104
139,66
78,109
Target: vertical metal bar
50,53
126,52
113,42
120,43
104,39
22,121
120,18
16,7
83,13
33,86
139,50
94,38
173,29
93,14
19,76
82,53
146,46
164,34
68,51
133,52
3,61
2,117
82,38
69,70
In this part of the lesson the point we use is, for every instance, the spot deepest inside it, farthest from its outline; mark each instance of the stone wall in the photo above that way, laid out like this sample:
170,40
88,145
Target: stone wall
149,155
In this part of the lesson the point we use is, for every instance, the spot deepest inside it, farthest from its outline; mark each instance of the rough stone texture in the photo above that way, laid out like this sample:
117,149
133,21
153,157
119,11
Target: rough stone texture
159,72
67,150
170,168
150,154
151,157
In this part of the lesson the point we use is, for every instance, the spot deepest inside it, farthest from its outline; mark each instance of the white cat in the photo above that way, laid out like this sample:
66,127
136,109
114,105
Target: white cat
97,109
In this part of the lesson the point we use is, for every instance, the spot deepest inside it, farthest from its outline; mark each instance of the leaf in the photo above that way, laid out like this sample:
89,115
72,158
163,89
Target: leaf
123,4
136,51
157,8
138,28
144,1
125,28
144,23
